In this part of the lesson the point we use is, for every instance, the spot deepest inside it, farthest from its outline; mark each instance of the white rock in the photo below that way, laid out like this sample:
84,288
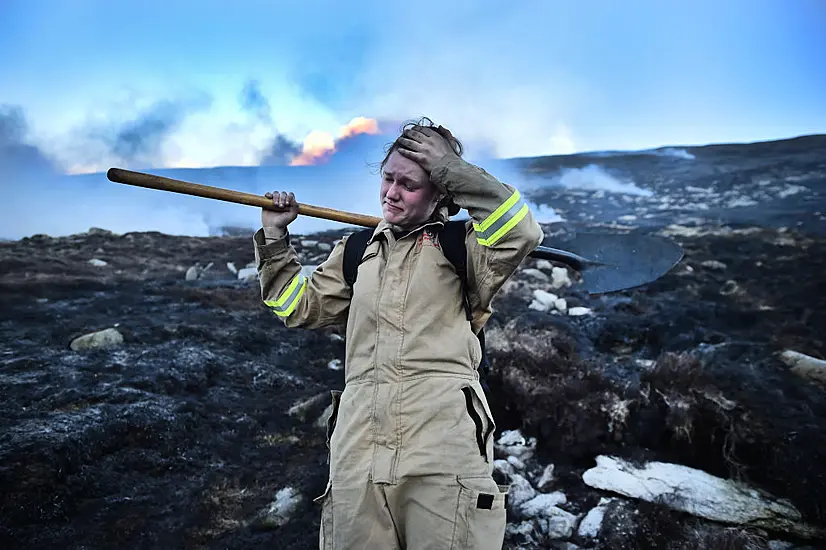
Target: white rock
309,243
542,300
520,491
780,545
282,508
326,247
247,274
546,479
698,493
805,365
561,304
591,524
503,467
560,278
741,201
232,268
536,274
791,190
542,503
556,523
579,311
512,443
537,306
715,265
251,264
544,265
335,364
516,463
100,339
512,437
524,529
627,218
97,263
192,273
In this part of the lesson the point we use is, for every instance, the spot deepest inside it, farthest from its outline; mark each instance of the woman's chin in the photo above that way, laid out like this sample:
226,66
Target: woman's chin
392,215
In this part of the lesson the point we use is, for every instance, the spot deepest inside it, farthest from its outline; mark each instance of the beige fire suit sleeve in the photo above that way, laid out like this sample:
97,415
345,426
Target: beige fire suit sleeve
314,301
501,233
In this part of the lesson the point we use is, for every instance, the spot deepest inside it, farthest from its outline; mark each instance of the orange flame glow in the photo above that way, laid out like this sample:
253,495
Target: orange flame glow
319,146
359,125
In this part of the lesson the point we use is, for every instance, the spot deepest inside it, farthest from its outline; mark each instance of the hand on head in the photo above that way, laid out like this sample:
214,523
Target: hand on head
426,146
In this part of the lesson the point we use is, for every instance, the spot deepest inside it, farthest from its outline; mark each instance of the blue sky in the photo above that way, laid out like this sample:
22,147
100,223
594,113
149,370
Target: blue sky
511,78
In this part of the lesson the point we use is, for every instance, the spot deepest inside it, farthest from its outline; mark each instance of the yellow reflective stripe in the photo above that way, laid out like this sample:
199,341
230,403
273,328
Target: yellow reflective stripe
505,228
502,220
287,302
494,217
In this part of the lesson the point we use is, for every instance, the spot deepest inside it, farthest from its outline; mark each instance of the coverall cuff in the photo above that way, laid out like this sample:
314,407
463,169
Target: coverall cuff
269,248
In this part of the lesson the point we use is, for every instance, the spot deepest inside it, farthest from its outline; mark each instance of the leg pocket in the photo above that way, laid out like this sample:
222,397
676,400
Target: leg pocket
481,515
325,531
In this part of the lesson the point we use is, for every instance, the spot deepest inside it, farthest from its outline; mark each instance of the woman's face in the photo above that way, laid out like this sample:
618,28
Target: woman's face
408,198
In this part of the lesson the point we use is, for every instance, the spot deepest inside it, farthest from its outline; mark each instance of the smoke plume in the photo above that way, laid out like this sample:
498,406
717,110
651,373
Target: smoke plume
18,158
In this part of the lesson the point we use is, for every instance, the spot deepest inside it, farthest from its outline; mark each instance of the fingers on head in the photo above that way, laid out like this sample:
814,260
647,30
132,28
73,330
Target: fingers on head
415,133
408,143
412,155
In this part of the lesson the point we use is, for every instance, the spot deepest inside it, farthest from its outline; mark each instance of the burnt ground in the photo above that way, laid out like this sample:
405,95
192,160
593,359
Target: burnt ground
181,436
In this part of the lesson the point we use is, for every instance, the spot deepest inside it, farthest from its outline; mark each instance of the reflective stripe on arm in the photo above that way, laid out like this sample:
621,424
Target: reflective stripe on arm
285,304
501,220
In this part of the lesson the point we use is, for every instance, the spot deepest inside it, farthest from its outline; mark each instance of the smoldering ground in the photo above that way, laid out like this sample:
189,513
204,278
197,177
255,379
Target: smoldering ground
183,434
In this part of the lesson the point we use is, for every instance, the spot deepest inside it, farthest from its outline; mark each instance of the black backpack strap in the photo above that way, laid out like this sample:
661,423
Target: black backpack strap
354,249
452,240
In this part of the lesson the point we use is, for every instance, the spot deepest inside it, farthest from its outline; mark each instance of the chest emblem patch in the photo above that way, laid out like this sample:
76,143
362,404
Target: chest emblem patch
427,237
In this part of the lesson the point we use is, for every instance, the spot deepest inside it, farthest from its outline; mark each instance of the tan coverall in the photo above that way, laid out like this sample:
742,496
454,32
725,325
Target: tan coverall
410,437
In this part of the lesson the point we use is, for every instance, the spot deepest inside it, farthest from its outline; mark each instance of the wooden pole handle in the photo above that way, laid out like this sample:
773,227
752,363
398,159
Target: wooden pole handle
162,183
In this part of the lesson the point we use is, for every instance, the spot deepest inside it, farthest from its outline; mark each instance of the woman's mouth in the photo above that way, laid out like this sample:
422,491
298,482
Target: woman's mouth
393,208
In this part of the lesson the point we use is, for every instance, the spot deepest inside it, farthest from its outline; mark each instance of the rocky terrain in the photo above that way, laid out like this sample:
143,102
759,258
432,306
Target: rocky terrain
666,416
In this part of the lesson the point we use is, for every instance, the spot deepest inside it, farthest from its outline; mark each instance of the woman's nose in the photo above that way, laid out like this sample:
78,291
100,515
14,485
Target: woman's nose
393,191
